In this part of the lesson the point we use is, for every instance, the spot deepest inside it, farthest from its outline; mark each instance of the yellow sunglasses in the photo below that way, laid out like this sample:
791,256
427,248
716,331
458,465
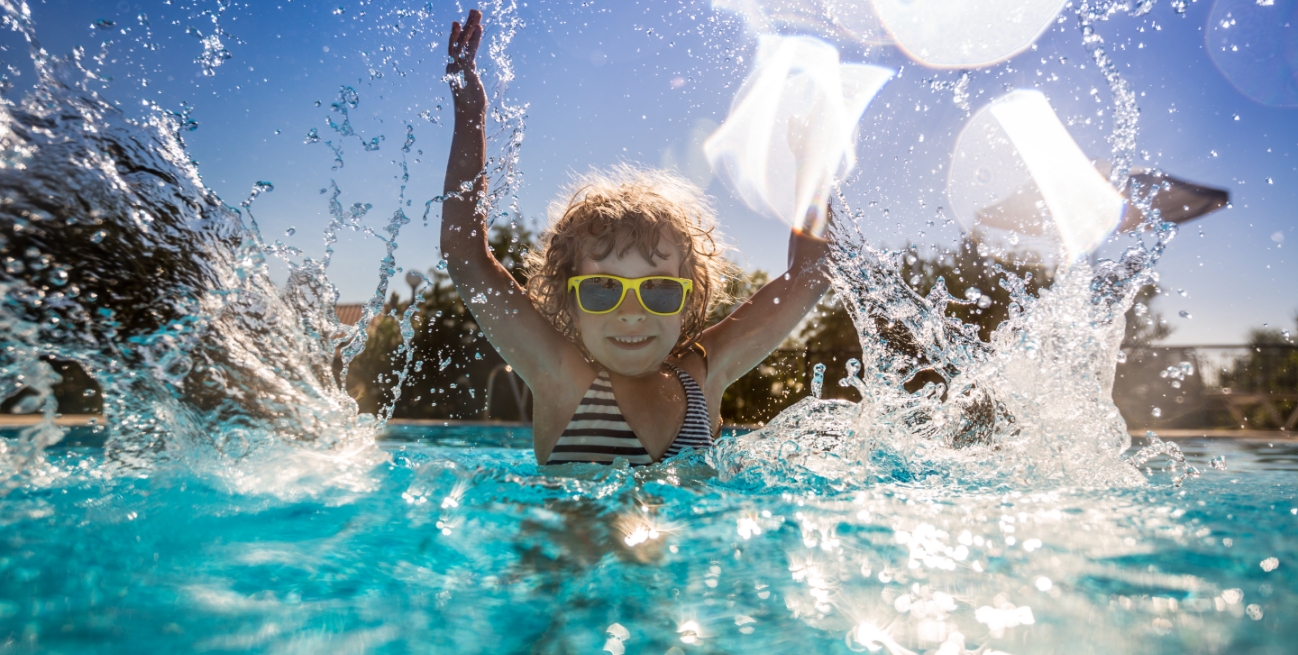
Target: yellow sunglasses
658,294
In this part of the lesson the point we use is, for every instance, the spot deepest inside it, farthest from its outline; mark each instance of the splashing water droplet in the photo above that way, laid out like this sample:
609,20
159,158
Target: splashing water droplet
1218,463
817,380
1184,314
1156,412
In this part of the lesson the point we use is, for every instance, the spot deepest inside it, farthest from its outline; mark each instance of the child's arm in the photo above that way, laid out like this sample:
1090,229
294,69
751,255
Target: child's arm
757,327
524,338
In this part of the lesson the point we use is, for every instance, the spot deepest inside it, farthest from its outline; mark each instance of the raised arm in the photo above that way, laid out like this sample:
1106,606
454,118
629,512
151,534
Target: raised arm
518,331
758,326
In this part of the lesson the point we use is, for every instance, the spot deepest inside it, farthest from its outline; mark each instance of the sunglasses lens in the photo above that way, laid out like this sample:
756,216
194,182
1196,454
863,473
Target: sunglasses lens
599,294
662,296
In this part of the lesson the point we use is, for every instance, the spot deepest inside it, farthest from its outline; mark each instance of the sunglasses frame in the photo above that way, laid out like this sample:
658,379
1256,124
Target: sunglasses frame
574,285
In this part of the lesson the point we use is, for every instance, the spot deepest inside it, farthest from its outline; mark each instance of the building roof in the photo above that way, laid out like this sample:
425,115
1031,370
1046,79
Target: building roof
349,314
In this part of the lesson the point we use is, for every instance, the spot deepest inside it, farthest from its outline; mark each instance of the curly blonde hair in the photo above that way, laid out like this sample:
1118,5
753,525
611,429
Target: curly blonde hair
615,211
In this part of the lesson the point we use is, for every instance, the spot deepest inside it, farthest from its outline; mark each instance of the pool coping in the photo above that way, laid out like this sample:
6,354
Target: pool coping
81,420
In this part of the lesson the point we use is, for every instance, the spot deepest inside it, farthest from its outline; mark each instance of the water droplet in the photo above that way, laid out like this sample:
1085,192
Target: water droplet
1122,357
1270,181
1218,463
104,24
290,232
1184,314
339,11
1156,412
98,236
479,299
817,380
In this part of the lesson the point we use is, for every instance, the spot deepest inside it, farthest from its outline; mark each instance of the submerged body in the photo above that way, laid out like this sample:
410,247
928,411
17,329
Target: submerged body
628,225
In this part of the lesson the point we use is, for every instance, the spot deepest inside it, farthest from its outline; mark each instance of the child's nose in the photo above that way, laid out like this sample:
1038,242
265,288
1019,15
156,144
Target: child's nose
631,310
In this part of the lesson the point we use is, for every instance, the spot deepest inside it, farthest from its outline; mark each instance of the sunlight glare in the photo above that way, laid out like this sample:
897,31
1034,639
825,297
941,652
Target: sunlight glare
794,119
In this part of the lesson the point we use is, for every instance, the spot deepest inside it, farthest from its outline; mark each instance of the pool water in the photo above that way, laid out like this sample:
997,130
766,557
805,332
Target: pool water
457,541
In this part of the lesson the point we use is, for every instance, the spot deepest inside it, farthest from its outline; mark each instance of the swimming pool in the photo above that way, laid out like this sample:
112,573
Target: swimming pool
235,499
458,542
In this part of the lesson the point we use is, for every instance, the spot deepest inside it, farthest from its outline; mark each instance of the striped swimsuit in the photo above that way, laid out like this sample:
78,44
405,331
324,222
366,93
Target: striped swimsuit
598,433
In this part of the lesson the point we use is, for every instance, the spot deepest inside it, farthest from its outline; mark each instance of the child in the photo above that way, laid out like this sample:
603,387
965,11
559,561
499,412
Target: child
609,332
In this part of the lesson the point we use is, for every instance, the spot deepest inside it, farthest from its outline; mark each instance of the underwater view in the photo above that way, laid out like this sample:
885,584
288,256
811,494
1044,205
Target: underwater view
971,426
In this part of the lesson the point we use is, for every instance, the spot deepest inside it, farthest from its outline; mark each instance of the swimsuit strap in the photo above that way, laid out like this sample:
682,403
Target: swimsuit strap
696,431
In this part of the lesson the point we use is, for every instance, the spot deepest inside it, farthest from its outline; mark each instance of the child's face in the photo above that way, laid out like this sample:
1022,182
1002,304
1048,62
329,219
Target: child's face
629,340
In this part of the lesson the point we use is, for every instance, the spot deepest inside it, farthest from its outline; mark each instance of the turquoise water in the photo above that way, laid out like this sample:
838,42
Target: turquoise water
459,542
235,500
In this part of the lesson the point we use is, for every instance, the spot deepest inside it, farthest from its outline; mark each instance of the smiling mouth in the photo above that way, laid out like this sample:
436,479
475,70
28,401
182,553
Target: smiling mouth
631,342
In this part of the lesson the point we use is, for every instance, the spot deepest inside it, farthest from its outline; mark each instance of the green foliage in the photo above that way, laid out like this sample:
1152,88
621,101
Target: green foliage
1270,366
451,362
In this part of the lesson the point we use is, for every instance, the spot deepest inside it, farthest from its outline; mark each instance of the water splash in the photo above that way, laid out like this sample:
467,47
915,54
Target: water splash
214,51
1030,406
201,359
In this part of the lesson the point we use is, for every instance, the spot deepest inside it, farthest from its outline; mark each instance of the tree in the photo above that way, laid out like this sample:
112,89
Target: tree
450,361
1270,366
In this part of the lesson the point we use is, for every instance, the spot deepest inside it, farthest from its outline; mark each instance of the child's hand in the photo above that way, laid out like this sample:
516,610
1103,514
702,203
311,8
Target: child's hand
466,89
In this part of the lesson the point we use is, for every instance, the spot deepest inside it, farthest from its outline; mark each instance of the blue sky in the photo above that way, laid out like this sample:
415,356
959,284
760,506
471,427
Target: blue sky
606,82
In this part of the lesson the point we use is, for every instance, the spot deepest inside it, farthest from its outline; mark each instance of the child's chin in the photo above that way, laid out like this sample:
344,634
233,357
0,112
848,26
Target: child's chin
633,363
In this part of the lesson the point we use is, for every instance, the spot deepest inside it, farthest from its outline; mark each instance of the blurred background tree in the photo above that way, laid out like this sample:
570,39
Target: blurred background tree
451,362
1270,365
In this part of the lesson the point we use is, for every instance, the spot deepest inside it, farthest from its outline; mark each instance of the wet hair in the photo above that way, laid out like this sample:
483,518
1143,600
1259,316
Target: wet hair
613,212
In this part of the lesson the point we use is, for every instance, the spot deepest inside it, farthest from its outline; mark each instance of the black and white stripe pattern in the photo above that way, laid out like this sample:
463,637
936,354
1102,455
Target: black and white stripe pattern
696,431
598,433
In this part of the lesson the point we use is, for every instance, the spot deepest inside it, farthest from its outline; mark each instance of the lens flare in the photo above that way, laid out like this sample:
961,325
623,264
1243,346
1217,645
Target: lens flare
1015,168
1255,45
965,33
842,22
792,128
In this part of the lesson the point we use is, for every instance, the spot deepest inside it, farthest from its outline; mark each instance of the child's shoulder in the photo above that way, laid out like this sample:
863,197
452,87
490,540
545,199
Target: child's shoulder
692,360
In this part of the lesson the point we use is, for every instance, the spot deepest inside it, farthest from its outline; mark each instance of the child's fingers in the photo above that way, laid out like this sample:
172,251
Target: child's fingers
474,39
